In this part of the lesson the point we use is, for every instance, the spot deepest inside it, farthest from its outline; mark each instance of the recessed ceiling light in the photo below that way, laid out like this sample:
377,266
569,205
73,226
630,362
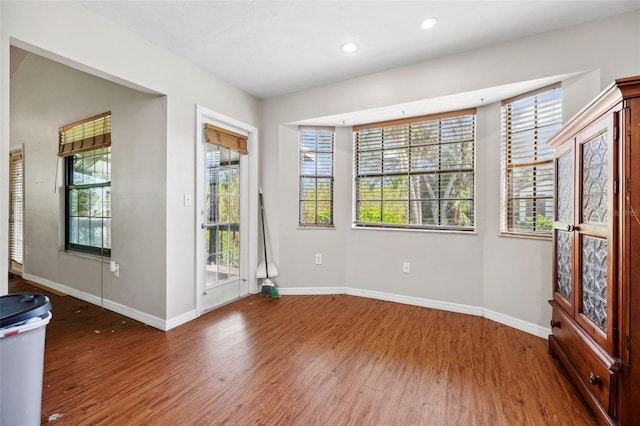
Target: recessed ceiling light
350,47
428,23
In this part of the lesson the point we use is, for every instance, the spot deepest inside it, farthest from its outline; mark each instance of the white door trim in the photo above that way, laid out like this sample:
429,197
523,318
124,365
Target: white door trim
248,196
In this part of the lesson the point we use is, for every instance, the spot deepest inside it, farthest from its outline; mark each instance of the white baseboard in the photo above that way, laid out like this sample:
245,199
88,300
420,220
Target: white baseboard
179,320
516,323
308,291
168,324
107,304
416,301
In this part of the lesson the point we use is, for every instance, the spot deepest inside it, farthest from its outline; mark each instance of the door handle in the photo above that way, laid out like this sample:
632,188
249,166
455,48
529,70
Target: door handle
203,225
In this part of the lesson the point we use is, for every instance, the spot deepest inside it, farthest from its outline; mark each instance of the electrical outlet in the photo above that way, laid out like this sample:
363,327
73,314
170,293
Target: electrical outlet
318,258
114,267
406,267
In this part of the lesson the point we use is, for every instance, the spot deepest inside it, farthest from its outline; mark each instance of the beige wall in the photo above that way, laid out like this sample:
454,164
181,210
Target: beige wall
506,278
68,33
46,95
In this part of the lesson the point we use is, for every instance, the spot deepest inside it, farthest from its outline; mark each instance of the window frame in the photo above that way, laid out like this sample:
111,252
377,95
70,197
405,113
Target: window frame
16,206
445,132
69,187
315,199
539,157
86,138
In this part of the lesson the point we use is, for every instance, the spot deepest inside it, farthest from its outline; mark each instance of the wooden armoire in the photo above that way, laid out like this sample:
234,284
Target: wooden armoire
596,255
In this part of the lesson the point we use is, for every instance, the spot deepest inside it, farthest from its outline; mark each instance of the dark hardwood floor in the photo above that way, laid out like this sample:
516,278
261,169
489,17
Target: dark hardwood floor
300,360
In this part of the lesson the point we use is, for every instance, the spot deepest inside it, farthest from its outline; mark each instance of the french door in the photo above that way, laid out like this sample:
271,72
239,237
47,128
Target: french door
226,230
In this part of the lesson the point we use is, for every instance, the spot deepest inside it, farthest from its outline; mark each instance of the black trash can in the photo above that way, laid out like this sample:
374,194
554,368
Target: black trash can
23,321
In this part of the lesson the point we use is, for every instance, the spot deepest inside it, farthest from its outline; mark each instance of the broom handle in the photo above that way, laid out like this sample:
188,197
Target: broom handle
264,236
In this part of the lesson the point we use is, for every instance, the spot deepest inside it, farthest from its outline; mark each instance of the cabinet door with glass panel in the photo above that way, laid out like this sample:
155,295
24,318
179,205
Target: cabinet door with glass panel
584,234
564,225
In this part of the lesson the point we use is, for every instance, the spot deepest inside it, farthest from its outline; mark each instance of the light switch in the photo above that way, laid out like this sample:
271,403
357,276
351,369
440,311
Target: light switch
188,200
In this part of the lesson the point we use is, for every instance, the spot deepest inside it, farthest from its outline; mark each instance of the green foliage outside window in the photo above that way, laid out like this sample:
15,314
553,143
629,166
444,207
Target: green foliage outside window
417,174
527,224
222,237
316,177
88,192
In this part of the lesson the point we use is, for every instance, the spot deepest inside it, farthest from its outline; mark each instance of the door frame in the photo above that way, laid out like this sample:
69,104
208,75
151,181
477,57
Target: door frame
248,197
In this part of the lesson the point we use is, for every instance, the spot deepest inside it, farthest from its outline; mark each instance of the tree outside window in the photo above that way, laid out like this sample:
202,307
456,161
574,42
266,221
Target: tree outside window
418,173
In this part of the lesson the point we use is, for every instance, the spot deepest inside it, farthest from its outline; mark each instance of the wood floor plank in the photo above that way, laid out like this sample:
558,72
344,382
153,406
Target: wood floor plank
300,360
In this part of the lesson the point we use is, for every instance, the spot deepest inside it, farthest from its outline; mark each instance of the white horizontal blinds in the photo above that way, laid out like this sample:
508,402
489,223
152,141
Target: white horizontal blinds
226,138
416,173
527,123
316,176
85,135
16,185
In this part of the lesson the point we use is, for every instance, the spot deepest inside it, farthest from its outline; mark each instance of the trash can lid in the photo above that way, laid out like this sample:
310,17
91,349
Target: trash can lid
18,307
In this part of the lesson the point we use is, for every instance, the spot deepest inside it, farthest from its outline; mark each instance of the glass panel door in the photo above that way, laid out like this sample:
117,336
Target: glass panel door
564,225
595,272
226,211
222,213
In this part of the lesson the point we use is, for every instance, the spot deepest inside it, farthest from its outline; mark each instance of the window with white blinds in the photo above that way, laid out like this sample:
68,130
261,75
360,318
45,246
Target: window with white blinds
527,161
416,173
16,185
316,176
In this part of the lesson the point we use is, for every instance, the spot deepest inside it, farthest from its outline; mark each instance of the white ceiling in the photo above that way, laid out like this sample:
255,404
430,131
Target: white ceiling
270,48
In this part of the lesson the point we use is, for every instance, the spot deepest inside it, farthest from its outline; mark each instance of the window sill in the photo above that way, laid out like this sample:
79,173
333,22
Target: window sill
431,231
87,256
526,236
316,227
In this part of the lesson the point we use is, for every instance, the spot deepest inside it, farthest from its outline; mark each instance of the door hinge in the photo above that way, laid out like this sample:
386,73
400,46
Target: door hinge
615,186
615,132
629,344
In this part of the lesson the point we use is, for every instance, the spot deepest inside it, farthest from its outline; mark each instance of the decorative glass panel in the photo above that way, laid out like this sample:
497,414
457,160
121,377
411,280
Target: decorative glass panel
594,280
594,180
565,188
563,264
